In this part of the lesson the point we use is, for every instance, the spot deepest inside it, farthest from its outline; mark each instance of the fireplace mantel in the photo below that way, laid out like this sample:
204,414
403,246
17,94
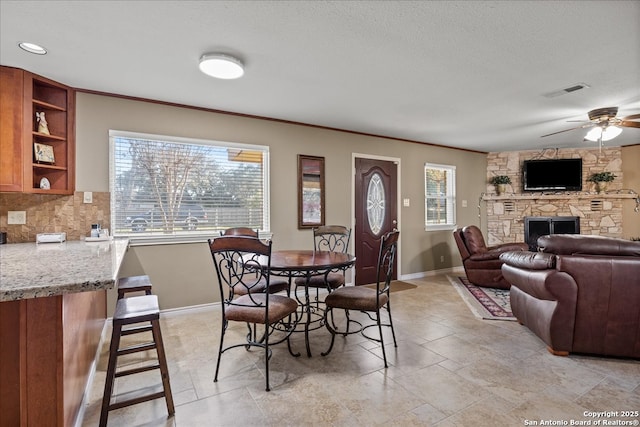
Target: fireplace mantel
518,196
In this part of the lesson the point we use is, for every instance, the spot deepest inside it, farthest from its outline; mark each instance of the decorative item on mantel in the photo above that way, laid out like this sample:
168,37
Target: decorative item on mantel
500,181
601,180
42,123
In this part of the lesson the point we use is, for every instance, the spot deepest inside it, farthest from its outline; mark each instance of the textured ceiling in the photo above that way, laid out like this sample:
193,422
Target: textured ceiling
469,74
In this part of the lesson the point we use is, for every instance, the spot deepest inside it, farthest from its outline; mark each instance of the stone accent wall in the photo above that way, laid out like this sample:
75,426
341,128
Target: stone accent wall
598,214
54,214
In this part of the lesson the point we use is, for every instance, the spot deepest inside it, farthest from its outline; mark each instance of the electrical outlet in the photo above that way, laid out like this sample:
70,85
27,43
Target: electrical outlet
464,203
441,258
16,217
87,197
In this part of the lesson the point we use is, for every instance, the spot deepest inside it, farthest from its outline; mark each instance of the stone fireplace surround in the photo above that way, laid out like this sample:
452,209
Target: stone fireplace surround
599,214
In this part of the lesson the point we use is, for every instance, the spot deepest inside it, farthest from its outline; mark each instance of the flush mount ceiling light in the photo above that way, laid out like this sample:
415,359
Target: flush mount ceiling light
32,48
221,66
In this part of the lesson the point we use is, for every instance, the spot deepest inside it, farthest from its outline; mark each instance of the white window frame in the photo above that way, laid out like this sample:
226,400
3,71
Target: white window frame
449,195
188,236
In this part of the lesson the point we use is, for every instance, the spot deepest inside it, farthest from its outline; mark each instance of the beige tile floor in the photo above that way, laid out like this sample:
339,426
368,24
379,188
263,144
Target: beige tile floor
449,369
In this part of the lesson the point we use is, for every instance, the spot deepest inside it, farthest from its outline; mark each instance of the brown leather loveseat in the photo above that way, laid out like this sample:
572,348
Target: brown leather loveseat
579,294
481,263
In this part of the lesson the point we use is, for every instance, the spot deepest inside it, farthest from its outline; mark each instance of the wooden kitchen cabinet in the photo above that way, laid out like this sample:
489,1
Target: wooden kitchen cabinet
22,95
51,327
49,346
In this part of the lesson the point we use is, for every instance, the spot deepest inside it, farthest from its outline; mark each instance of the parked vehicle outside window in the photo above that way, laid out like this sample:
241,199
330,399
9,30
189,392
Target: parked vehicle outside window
188,217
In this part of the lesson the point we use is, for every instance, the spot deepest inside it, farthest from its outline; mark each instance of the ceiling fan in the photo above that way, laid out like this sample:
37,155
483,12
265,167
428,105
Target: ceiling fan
605,124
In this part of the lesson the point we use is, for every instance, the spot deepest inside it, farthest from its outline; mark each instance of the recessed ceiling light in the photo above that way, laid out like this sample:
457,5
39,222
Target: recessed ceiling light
221,66
32,48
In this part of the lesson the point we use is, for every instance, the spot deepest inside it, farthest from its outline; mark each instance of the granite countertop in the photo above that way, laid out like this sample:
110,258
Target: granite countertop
30,270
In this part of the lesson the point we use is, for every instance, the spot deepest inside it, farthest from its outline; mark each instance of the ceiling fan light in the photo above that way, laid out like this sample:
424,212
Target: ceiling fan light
221,66
611,132
594,134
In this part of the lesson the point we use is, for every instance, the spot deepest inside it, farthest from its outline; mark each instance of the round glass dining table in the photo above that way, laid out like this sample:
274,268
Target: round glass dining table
308,263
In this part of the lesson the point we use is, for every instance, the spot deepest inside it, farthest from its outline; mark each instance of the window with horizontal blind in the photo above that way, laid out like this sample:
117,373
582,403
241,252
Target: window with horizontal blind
165,186
440,196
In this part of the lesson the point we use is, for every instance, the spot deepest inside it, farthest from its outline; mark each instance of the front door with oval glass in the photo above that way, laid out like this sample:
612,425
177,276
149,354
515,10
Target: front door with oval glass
376,213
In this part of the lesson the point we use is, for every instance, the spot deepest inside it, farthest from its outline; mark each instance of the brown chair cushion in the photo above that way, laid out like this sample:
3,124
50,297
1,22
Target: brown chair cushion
355,298
474,240
335,280
484,264
244,309
275,285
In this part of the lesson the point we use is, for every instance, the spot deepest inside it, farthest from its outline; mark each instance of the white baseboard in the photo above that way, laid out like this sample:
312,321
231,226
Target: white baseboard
431,273
191,309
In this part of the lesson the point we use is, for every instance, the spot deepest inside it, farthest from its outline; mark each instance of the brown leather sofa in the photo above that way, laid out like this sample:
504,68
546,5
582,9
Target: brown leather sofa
481,263
579,294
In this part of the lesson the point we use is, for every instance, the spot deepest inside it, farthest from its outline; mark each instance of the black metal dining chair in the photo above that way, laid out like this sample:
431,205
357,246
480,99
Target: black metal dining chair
365,299
241,263
332,238
276,284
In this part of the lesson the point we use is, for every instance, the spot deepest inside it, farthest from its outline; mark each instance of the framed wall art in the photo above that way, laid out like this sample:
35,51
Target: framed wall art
43,153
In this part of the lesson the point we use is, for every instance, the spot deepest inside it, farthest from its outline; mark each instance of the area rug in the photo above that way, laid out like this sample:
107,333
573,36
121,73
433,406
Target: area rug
485,303
397,286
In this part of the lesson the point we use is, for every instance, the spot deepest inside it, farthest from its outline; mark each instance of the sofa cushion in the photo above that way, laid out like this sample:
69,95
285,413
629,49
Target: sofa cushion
570,244
529,260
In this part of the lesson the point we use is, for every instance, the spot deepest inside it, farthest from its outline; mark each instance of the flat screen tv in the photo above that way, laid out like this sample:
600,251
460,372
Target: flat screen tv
552,175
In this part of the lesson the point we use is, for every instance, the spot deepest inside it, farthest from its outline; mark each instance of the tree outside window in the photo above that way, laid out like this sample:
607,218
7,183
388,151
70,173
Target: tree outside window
439,196
163,186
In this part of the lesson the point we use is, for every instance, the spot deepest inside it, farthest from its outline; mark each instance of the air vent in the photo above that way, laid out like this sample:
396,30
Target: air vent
574,88
596,205
509,206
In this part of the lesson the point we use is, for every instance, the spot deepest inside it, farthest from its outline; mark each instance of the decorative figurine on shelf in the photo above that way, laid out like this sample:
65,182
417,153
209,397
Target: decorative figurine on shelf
45,184
42,123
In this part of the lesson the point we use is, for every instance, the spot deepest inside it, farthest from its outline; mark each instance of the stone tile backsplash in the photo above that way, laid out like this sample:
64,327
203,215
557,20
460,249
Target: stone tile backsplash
53,214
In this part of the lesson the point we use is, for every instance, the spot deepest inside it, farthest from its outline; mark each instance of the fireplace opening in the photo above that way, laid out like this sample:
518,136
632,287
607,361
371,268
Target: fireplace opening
536,226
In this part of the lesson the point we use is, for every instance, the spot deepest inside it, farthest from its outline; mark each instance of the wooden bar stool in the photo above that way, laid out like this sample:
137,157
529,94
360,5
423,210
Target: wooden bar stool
130,311
134,284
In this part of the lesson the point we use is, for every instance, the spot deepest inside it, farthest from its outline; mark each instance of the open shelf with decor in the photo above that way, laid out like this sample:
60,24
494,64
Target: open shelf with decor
39,115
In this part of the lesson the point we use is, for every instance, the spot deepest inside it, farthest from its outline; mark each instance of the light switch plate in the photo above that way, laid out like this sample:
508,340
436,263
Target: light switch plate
406,203
87,197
